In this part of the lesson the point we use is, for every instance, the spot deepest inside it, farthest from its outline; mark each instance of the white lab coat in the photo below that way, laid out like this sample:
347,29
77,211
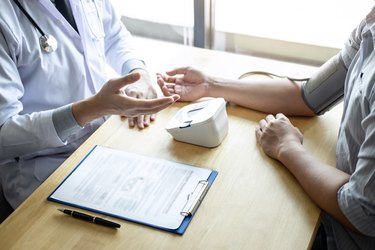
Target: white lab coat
33,83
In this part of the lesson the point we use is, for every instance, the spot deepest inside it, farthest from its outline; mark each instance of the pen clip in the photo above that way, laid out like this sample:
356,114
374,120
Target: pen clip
195,198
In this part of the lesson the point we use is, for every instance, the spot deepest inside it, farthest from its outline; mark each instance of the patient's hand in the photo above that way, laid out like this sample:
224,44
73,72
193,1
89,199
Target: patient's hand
189,83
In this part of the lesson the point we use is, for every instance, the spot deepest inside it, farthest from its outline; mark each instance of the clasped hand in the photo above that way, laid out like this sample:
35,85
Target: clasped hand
277,135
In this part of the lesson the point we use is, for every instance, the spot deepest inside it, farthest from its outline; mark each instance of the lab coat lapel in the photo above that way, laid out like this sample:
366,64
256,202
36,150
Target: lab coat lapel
58,17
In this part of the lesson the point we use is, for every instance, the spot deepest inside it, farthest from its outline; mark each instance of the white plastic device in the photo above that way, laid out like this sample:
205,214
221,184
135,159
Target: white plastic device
204,123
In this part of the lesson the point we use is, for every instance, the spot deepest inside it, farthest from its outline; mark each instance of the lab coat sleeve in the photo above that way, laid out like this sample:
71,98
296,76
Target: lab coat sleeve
132,64
20,134
64,122
120,52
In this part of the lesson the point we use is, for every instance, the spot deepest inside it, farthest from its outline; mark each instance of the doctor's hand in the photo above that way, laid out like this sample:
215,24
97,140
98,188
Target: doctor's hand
113,100
277,135
189,83
142,89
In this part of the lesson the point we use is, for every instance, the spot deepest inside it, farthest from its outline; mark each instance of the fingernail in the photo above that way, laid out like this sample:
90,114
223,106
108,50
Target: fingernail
135,75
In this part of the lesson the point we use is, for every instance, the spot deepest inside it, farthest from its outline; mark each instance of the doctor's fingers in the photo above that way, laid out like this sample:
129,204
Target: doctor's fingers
147,106
142,121
118,83
138,113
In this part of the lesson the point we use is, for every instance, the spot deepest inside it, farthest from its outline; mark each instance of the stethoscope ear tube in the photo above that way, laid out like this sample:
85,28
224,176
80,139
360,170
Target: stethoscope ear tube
48,43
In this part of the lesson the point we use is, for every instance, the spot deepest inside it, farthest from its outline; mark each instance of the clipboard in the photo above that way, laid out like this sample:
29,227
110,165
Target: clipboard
166,194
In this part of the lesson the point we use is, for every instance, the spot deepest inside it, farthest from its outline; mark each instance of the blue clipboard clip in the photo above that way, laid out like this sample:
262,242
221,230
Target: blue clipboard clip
195,198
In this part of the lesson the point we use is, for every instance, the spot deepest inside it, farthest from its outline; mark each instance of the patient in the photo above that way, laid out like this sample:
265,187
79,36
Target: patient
344,193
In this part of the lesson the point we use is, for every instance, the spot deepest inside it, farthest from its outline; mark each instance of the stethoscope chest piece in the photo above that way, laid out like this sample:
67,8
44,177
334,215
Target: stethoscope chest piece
48,43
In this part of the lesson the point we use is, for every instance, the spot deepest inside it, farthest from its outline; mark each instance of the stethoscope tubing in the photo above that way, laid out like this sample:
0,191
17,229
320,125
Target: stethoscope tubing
29,17
48,43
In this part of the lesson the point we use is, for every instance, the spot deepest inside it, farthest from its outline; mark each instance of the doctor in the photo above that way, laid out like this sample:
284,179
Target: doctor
54,92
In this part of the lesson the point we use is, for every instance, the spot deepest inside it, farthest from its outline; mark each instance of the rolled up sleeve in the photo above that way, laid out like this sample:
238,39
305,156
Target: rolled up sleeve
358,209
357,198
352,45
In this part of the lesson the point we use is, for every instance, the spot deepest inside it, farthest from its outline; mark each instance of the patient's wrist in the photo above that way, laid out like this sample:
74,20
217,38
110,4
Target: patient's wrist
214,87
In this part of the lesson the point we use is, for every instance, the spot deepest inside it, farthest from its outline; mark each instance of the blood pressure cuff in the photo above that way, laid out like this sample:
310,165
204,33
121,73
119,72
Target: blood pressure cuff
325,88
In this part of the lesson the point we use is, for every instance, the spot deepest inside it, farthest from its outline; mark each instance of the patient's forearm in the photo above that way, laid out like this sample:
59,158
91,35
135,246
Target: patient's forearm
266,95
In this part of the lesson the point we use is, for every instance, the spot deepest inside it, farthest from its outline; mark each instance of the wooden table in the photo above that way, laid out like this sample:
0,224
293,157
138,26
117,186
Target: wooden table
254,203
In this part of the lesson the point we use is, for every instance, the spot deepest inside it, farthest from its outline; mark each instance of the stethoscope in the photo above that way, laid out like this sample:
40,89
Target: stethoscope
48,43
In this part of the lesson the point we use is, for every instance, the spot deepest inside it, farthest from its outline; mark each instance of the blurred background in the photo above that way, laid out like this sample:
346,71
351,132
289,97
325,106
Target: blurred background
303,31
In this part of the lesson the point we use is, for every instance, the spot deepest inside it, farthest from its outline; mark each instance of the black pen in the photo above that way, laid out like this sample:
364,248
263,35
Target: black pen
93,219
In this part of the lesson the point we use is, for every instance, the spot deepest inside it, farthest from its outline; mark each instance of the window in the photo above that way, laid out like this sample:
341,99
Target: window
170,20
308,31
